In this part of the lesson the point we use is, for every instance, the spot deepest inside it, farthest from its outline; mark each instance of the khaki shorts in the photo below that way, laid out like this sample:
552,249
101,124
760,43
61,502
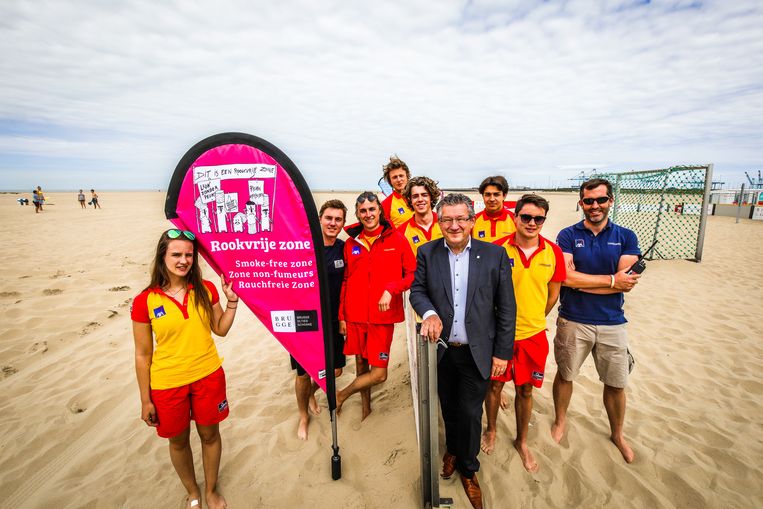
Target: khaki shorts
608,343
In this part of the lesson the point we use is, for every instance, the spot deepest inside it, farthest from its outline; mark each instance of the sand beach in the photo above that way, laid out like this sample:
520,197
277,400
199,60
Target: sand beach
71,434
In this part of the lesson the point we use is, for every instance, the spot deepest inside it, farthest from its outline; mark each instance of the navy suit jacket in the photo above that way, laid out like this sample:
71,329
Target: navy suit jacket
491,310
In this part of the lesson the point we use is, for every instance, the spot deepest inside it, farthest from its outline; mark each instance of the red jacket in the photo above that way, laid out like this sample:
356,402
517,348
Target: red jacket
388,265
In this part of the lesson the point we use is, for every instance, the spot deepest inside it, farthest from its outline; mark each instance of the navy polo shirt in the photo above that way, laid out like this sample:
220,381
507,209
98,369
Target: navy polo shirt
595,254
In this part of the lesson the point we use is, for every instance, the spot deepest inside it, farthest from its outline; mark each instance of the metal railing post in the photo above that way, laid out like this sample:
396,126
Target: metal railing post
703,213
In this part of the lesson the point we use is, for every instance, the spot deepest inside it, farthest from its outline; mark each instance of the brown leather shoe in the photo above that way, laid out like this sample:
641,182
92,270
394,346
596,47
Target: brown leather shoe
448,465
473,491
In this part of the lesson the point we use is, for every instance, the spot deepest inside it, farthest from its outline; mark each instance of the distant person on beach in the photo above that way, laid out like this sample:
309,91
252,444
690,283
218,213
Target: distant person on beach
40,197
421,195
81,199
379,267
179,371
94,199
598,254
495,222
537,271
396,209
37,201
463,293
332,216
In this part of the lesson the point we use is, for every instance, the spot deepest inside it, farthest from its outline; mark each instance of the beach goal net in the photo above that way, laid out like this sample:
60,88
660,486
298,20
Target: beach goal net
667,205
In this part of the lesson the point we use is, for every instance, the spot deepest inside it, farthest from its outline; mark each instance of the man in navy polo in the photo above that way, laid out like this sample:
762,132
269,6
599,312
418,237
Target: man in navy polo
598,254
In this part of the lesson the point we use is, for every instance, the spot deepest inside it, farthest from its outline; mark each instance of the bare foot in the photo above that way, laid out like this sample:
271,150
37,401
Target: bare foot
339,401
313,405
302,427
504,401
528,460
487,444
366,413
557,432
216,501
625,449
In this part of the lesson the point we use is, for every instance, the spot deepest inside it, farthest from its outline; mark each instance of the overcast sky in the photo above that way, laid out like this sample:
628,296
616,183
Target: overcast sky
112,94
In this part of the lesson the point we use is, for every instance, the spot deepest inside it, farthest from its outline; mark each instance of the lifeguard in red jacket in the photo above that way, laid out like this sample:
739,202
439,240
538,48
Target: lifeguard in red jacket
379,267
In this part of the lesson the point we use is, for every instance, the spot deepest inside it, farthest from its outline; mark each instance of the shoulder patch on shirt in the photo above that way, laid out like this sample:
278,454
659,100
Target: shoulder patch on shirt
415,239
355,250
401,210
511,261
579,242
159,312
481,234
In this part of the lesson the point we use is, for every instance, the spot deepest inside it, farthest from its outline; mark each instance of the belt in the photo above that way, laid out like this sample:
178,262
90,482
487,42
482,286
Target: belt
455,345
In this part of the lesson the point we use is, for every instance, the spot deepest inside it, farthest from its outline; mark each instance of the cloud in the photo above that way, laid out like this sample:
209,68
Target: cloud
457,89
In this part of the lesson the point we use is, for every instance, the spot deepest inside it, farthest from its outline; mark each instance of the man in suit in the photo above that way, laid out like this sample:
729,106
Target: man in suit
463,291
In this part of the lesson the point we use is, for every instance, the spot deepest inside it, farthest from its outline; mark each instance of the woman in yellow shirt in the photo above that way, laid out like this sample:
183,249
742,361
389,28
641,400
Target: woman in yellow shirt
179,372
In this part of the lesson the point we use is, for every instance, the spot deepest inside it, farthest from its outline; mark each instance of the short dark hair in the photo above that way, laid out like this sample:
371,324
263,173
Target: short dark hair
456,199
593,184
426,182
497,181
333,204
532,199
395,163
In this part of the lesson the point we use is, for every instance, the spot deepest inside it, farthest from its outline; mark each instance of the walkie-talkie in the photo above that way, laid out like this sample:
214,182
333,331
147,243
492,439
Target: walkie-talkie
640,265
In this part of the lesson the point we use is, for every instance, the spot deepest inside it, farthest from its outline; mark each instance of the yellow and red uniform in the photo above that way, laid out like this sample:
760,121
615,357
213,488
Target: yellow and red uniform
490,227
416,235
531,277
185,351
396,210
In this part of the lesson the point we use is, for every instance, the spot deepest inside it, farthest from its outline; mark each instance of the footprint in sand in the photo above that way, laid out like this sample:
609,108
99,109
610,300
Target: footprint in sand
52,291
76,408
10,294
112,313
8,371
89,328
119,288
40,346
58,274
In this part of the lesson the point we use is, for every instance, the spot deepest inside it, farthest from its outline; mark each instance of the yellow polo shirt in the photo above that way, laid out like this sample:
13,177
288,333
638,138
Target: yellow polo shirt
418,236
396,210
491,228
184,350
531,277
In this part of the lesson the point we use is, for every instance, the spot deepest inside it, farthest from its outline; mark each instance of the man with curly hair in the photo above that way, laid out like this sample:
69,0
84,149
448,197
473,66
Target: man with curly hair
421,194
395,208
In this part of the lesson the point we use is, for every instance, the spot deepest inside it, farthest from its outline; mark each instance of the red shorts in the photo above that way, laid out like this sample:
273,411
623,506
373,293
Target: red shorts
371,341
529,362
204,401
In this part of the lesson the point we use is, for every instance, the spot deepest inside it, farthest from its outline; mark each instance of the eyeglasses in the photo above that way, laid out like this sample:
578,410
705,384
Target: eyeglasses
601,200
526,218
447,221
175,233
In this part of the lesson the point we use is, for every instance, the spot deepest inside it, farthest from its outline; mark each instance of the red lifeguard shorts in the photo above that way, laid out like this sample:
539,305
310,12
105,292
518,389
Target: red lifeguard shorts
204,401
371,341
529,362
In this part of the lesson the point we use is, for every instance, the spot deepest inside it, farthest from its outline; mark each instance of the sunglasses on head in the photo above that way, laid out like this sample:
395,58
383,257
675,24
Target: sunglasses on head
368,196
526,218
601,200
175,233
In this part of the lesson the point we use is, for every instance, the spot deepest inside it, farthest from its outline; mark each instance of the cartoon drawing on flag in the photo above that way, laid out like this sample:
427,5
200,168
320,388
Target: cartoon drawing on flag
214,199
